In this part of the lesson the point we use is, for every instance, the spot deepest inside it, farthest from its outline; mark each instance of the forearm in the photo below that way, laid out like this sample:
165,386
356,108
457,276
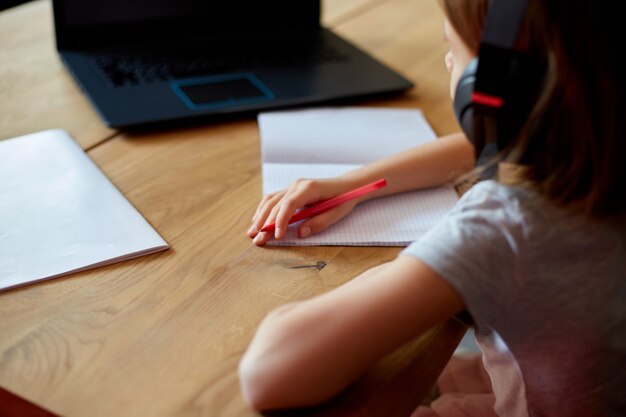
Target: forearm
296,357
306,352
429,165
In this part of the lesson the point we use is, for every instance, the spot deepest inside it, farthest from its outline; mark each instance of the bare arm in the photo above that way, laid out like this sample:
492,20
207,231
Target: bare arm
306,352
429,165
432,164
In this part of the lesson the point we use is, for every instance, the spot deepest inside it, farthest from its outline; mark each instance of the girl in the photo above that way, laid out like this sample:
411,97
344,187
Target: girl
538,257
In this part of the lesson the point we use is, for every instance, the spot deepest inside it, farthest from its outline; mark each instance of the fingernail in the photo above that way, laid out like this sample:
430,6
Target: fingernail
277,233
305,231
253,230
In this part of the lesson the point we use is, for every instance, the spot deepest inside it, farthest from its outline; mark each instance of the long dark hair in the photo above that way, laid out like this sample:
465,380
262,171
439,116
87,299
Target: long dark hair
574,141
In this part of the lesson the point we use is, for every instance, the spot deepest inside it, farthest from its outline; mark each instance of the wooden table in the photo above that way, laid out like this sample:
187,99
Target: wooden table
162,335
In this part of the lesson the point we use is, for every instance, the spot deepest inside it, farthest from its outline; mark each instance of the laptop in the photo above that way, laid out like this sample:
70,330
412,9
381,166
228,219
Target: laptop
142,62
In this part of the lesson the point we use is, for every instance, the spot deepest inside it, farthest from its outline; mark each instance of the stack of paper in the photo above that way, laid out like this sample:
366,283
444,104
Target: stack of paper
329,142
60,214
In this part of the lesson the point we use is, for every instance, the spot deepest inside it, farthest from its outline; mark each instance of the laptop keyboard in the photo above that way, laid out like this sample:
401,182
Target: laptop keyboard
124,70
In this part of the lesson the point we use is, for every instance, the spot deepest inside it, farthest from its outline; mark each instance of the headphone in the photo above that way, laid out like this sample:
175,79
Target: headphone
497,89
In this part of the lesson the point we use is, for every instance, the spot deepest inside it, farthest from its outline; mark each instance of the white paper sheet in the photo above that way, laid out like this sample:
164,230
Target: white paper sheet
60,214
322,143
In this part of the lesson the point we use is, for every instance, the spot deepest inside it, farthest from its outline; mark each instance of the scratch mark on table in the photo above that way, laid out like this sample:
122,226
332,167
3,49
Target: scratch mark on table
319,266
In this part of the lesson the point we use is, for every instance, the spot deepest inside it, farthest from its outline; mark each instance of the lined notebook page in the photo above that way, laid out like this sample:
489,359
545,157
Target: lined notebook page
324,143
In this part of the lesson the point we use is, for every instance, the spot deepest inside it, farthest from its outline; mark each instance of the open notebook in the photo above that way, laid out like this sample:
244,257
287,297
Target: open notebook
60,214
323,143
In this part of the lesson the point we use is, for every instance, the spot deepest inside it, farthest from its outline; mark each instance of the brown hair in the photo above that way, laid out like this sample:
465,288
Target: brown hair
573,142
468,18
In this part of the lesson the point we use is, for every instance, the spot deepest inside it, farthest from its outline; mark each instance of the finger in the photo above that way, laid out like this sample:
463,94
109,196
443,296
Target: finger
263,214
283,214
261,238
267,203
306,193
271,218
263,201
322,221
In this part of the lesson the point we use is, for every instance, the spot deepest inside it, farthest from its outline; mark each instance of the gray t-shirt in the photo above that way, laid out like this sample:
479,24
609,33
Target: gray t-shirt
547,292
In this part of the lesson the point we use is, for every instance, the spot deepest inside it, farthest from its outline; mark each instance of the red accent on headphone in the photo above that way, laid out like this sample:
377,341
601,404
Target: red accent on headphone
487,100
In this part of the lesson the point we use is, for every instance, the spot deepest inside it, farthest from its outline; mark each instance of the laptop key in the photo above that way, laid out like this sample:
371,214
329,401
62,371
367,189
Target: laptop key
123,70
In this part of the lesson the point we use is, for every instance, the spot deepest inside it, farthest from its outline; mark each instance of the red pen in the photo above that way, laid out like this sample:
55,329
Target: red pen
330,203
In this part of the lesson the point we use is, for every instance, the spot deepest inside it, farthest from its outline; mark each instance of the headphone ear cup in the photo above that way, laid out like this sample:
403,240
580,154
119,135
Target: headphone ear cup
463,106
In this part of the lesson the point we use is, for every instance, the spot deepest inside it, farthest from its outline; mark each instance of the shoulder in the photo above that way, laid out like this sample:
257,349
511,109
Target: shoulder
490,219
492,195
490,208
476,247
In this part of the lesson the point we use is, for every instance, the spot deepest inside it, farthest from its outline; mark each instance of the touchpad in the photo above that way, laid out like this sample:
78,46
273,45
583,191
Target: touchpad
222,90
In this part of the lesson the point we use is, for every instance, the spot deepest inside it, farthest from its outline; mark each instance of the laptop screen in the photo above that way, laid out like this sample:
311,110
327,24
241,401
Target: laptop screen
108,22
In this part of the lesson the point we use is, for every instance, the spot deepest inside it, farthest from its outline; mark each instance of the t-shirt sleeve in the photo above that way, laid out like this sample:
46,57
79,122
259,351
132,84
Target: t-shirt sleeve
475,249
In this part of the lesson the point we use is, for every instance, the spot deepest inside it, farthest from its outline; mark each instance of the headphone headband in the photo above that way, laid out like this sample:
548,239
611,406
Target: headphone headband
497,52
503,22
495,92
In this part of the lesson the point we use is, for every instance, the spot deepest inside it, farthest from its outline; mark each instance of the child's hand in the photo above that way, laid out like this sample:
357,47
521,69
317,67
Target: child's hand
281,205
